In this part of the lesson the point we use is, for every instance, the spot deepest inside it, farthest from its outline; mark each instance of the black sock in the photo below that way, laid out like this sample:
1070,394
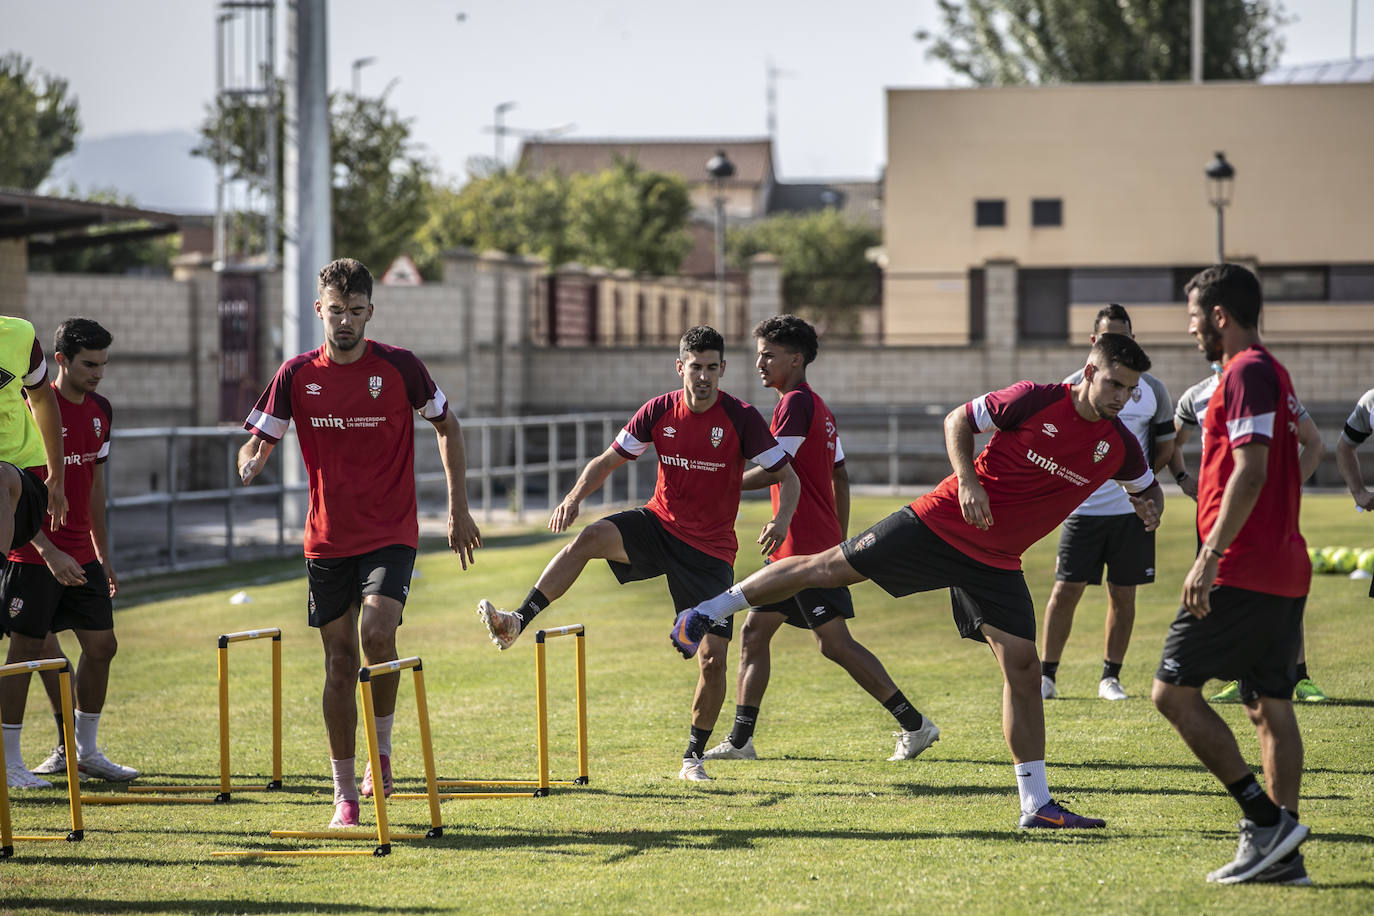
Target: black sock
1302,671
1049,669
1257,806
905,714
61,735
1110,669
696,745
745,718
529,608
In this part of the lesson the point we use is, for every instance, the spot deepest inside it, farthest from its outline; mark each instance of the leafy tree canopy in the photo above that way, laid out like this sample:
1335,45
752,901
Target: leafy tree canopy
38,123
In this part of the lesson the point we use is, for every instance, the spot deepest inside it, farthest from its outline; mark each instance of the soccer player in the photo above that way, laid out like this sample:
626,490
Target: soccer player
352,400
62,579
1053,445
804,426
1242,601
1105,531
1357,430
703,437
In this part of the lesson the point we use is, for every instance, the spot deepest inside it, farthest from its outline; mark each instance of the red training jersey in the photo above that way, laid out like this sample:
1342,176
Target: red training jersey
700,464
1041,463
357,438
85,443
805,427
1255,403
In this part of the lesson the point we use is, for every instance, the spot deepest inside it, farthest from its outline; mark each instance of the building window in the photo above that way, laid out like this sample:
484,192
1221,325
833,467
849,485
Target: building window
989,213
1042,305
1293,284
1047,211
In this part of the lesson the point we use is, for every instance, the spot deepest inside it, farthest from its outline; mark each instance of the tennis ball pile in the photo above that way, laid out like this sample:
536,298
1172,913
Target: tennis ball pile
1341,559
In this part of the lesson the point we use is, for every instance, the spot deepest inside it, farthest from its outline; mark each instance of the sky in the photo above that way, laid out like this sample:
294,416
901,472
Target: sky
609,68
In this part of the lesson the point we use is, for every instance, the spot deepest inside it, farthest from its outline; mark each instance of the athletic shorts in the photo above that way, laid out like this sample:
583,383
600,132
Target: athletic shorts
340,583
903,556
813,607
35,604
33,503
693,576
1250,637
1119,542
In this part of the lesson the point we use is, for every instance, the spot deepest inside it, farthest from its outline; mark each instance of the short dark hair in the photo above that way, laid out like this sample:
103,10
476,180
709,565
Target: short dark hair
700,339
1111,312
791,332
1233,288
1120,350
346,276
77,334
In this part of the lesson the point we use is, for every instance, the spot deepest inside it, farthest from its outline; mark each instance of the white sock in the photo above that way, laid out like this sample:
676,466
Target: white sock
729,602
345,784
11,734
86,725
384,733
1031,783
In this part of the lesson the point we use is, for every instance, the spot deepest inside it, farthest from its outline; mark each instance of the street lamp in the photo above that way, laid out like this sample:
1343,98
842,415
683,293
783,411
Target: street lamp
1220,174
358,65
500,130
719,167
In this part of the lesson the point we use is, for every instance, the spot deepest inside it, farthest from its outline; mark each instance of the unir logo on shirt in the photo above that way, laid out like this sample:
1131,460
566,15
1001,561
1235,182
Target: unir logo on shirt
717,434
374,385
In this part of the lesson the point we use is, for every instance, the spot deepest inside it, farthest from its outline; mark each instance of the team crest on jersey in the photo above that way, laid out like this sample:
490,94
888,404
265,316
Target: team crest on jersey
95,424
717,435
314,388
1137,394
1050,429
865,541
16,605
1100,451
669,432
374,385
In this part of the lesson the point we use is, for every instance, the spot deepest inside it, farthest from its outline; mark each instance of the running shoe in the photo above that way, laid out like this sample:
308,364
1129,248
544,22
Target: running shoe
1109,688
688,630
19,777
692,770
387,786
98,766
345,814
503,626
1047,689
910,744
1229,694
1260,847
1307,691
1289,870
1055,816
56,762
727,751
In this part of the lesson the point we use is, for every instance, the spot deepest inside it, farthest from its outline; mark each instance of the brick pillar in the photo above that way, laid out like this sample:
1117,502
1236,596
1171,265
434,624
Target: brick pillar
14,278
999,348
765,289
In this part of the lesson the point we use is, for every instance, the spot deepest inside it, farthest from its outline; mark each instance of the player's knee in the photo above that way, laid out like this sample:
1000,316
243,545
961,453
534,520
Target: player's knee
101,647
594,541
837,647
1167,699
712,659
341,668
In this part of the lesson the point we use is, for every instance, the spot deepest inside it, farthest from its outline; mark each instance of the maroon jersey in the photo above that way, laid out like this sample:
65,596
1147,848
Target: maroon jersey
85,443
1041,463
1253,403
804,426
357,437
700,464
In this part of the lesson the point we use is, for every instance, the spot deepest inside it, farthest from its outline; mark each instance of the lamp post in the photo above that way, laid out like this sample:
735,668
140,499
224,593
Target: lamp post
357,66
719,167
499,124
1220,174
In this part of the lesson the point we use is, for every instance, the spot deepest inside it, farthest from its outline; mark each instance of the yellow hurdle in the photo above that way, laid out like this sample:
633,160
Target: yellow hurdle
63,669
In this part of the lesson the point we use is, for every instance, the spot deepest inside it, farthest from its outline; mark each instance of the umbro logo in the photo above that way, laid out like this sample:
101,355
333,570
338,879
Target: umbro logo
818,610
1050,429
314,388
669,432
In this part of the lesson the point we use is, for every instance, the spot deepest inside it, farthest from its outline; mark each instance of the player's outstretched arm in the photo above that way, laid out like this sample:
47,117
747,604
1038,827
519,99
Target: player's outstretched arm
789,492
1349,464
973,499
43,403
588,482
253,458
463,536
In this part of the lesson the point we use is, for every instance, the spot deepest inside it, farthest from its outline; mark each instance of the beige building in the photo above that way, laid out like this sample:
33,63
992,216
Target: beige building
1013,214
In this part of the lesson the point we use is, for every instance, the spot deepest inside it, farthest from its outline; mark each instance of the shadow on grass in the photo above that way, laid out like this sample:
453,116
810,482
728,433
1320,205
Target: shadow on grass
183,905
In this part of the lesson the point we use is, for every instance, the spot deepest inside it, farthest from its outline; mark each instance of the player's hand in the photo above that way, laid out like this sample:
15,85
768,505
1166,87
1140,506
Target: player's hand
1189,487
111,578
1148,512
57,502
772,536
64,569
1197,586
564,514
1365,500
973,501
463,537
250,469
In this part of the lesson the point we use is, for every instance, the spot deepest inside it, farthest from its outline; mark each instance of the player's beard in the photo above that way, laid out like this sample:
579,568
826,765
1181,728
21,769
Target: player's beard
1209,341
346,344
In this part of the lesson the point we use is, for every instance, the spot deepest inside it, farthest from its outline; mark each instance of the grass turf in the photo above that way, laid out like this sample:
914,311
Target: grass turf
822,823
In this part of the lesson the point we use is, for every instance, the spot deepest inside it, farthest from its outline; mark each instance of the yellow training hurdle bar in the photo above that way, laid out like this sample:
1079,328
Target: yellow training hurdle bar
64,679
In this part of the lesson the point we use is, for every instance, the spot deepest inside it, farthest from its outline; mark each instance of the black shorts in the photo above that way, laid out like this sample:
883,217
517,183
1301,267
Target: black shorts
35,604
1250,637
813,607
1119,542
33,503
693,576
339,583
903,556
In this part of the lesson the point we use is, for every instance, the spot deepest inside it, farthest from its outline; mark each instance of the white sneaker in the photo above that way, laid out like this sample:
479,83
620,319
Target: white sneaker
1047,689
503,626
19,777
98,766
56,762
911,744
727,751
693,771
1110,689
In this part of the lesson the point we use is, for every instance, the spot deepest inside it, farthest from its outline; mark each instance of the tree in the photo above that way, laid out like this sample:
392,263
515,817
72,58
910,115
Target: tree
1011,42
826,274
514,212
38,122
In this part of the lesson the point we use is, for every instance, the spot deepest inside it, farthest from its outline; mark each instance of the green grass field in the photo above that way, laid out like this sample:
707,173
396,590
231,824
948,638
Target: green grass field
823,824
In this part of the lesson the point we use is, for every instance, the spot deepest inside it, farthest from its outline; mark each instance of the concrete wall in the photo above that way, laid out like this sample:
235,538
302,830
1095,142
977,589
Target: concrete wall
14,263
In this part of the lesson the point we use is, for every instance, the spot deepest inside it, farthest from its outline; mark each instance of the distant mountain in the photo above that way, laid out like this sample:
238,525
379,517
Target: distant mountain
156,169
